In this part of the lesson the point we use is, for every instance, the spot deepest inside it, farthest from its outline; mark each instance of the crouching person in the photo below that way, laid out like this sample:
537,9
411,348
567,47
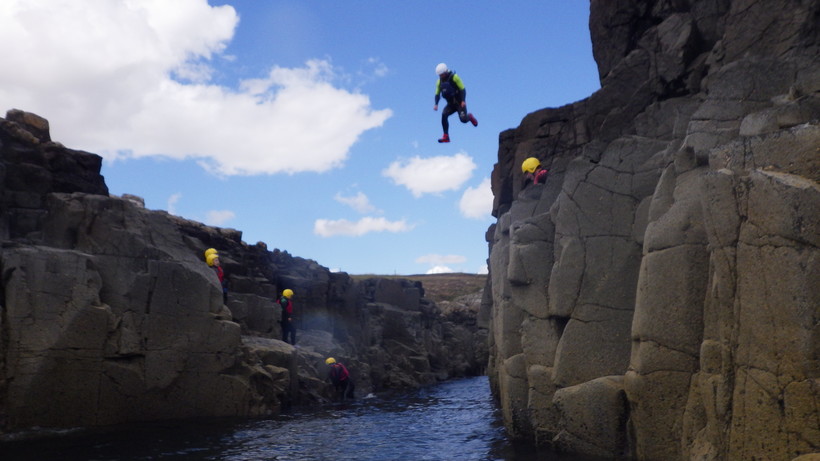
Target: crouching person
340,377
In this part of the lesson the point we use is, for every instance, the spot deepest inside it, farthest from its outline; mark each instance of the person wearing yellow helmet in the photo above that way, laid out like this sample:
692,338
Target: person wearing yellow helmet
288,329
450,86
340,377
533,171
212,258
210,251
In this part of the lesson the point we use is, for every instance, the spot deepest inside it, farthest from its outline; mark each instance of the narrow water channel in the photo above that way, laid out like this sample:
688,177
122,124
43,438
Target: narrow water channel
452,421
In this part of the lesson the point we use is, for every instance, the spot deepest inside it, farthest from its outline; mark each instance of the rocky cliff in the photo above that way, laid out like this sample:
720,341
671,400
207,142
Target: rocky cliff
109,314
659,297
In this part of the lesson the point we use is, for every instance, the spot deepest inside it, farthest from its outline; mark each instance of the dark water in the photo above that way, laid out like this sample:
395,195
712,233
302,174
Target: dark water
456,420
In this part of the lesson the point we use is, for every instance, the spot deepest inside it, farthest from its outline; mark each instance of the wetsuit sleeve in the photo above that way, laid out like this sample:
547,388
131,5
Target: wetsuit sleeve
459,83
438,91
461,88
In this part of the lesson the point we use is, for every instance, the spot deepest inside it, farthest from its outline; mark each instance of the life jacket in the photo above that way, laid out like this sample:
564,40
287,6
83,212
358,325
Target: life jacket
338,372
287,306
449,90
541,176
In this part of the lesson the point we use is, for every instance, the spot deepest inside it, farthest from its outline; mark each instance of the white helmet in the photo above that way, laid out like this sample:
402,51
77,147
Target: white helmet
441,68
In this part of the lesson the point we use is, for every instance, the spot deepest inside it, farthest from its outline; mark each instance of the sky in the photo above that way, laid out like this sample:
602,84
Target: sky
305,124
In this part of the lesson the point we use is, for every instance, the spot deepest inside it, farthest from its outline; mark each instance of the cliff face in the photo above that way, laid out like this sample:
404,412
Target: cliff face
109,314
659,296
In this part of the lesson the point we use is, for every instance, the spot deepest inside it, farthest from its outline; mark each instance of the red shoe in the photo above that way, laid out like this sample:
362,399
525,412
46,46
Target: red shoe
445,138
473,120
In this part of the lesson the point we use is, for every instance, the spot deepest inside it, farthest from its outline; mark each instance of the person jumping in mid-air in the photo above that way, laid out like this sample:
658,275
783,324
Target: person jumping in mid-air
450,86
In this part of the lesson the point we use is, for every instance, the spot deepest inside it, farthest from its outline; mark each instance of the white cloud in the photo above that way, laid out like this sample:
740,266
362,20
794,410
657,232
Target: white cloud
477,202
377,68
125,78
172,203
484,270
431,175
218,217
439,270
329,228
440,259
358,202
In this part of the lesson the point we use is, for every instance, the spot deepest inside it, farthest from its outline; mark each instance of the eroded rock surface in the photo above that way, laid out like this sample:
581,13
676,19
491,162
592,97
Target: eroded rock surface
658,298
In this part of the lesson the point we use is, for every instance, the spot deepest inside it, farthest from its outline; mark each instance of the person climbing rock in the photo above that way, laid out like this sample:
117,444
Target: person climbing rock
450,86
533,171
212,258
288,329
340,377
210,251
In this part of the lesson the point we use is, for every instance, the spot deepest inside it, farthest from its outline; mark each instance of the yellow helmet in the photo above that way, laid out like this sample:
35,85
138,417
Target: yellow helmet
330,361
210,258
529,165
287,293
210,251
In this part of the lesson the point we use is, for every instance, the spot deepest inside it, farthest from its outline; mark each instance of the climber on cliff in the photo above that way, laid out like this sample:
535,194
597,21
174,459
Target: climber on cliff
340,377
450,86
212,258
533,171
288,329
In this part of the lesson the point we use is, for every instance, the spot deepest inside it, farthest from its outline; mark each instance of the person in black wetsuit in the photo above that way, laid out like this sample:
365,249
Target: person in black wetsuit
450,86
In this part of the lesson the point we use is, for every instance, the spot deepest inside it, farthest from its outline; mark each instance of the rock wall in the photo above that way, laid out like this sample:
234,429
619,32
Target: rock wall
658,298
109,314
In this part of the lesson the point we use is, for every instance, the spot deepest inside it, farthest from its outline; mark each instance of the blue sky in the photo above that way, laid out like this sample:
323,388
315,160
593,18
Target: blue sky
306,124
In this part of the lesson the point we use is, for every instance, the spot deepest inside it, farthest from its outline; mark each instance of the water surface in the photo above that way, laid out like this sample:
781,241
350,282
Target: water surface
455,420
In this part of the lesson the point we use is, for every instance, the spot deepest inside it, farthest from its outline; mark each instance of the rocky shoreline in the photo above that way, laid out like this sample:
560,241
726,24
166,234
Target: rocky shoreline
110,311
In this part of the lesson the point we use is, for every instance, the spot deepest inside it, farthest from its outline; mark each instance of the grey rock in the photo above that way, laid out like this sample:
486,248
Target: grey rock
681,302
109,309
591,414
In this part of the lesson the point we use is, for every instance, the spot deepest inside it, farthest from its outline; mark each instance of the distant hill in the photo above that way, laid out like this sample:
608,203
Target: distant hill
450,291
